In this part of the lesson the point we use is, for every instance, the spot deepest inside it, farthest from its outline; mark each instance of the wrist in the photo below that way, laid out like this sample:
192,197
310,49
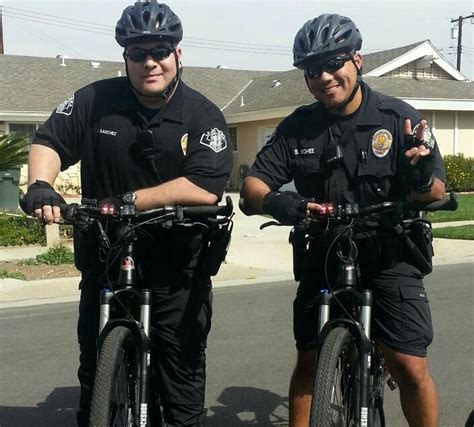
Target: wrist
423,188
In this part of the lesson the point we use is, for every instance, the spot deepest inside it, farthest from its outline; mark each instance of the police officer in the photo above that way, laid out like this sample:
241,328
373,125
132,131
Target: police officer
152,136
353,145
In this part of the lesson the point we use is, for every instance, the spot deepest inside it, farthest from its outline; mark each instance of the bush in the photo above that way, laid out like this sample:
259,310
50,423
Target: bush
58,254
459,172
17,230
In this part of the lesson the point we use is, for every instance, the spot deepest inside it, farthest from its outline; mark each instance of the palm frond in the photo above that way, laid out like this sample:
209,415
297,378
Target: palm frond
13,151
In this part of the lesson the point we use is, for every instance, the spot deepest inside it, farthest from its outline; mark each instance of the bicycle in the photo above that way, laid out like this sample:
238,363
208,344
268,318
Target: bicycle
123,392
351,375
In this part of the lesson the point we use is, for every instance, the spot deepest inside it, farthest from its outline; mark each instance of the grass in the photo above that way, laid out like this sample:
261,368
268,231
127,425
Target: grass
463,232
4,274
56,255
465,211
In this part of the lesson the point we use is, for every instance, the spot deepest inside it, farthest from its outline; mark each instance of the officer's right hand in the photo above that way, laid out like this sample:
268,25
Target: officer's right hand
42,201
287,207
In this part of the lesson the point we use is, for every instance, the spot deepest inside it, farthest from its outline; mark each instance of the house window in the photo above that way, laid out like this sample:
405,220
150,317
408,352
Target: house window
23,129
233,137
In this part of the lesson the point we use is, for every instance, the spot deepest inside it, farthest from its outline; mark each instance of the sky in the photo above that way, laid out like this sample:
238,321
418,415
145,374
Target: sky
252,35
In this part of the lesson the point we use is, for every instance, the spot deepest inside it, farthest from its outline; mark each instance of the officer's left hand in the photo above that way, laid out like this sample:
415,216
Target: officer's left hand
420,150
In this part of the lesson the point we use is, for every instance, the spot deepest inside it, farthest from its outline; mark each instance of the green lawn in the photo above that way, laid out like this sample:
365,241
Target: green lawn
465,211
463,232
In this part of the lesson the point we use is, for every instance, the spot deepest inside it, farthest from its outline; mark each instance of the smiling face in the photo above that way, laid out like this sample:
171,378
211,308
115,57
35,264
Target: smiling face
150,76
332,89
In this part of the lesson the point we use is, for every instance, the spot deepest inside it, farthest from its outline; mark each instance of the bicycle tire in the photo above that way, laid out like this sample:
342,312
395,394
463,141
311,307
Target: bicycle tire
333,391
115,393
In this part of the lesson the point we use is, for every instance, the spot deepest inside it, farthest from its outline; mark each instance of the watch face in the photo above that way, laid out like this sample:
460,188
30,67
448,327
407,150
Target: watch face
129,197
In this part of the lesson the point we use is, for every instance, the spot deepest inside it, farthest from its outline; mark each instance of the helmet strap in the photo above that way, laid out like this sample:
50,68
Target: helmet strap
166,93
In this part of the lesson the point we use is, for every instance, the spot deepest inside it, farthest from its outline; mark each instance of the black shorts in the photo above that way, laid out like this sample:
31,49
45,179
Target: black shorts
401,315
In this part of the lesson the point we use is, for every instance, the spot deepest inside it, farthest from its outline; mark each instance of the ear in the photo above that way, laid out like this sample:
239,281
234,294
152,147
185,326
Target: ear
179,52
358,60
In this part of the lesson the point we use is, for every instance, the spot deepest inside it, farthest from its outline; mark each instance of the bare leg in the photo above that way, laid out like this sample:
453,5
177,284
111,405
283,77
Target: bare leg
301,388
418,393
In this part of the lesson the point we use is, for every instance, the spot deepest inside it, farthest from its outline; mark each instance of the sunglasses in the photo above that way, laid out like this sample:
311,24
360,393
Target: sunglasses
330,66
137,54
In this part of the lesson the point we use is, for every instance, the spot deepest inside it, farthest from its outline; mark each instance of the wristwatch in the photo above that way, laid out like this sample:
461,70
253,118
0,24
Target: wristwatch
129,198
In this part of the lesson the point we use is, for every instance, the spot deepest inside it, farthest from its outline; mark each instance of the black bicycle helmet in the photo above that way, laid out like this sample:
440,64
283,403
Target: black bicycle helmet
324,36
148,20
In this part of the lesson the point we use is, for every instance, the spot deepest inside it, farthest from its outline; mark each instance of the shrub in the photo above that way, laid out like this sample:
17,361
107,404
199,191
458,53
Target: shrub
4,274
17,230
58,254
459,172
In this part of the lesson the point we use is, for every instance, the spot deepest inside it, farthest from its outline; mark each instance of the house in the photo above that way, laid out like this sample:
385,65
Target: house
253,102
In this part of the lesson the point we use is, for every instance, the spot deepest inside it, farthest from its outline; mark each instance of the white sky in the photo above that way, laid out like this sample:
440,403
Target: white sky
232,29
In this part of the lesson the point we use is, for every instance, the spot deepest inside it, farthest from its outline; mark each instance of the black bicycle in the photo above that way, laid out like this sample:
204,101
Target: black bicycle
351,374
123,393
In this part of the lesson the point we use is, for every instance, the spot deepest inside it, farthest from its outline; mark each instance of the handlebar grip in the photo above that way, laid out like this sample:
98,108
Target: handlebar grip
447,204
224,210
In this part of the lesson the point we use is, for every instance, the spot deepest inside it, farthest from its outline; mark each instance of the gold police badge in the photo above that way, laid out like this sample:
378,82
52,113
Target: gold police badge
381,142
184,143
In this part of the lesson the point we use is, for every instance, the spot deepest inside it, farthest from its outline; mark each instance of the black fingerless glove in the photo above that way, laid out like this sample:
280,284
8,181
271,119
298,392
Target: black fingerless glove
419,177
40,194
287,207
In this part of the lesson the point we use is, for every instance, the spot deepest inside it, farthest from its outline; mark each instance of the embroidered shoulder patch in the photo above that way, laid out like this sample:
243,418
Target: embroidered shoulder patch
214,139
66,107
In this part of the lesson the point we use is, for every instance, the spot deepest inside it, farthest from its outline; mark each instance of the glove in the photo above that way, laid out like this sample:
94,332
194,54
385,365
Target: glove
419,177
40,194
287,207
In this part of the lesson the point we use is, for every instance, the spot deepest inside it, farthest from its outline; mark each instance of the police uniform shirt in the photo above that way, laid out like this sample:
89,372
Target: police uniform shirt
372,144
98,126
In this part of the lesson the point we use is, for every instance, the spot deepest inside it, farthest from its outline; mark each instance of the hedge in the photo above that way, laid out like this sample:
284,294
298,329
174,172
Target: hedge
18,230
459,172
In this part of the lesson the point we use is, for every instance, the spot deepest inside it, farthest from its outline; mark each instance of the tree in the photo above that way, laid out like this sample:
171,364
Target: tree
13,151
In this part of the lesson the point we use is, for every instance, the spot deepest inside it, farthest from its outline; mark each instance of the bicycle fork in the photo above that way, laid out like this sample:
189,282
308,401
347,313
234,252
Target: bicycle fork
364,344
143,332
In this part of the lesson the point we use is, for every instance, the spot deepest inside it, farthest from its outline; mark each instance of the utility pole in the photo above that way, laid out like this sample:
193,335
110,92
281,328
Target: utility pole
460,22
1,31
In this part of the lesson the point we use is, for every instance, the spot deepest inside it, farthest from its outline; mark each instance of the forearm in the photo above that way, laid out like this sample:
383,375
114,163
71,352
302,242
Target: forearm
437,193
253,191
179,191
44,164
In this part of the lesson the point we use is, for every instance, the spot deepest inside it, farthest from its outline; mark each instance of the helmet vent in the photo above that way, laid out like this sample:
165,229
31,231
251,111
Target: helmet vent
146,16
343,37
311,37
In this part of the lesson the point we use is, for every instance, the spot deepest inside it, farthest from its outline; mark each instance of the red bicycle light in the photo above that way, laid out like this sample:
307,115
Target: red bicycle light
326,209
108,209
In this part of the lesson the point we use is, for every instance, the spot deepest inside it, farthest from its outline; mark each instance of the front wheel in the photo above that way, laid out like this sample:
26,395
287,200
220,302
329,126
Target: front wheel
334,386
115,394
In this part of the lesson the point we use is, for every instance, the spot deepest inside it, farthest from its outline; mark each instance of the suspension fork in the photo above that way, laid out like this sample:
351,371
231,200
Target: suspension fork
365,348
145,393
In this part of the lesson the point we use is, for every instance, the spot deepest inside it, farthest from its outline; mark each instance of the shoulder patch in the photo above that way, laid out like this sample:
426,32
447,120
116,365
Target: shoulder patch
214,139
428,139
66,107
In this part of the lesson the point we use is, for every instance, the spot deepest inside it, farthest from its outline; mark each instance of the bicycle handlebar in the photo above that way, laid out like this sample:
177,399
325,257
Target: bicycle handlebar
90,210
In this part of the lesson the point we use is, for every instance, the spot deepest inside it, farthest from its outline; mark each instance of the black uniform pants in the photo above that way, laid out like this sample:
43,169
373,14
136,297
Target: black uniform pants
181,317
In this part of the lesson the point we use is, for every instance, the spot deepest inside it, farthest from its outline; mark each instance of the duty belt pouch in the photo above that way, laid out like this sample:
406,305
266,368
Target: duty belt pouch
421,235
299,240
218,246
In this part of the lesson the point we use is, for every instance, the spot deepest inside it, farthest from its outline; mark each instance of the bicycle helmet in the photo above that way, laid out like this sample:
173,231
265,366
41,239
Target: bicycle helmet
148,21
324,36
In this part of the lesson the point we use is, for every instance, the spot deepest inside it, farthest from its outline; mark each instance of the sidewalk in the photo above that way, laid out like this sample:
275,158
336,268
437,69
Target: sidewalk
255,256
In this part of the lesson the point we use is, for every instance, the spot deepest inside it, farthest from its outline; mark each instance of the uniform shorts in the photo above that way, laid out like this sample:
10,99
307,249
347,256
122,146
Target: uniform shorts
401,315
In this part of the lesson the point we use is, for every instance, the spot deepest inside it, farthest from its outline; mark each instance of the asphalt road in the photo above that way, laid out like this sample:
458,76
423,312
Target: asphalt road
250,356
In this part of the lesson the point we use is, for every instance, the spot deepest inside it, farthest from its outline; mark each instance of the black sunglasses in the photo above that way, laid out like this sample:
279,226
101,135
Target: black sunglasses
137,54
330,66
